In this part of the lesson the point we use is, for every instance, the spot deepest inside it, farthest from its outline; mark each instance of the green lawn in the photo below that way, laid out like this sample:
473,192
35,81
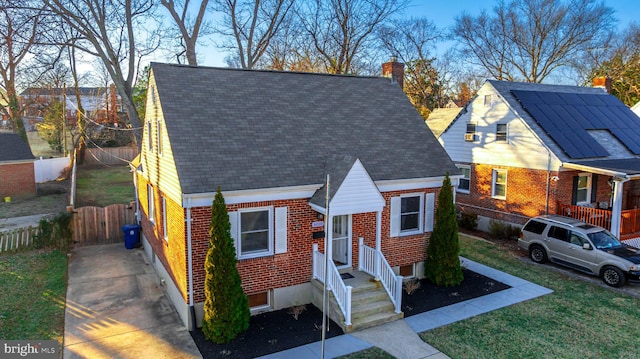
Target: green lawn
579,320
102,186
34,286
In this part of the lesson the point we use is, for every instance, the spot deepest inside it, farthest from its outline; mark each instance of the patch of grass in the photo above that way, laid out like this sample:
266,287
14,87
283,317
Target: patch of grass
102,186
579,320
373,352
34,286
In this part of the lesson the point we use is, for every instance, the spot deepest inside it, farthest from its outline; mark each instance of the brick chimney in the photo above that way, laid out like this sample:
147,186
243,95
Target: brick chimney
394,70
602,82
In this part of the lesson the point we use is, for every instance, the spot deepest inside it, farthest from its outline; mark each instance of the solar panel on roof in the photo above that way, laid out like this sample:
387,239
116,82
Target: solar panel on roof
567,117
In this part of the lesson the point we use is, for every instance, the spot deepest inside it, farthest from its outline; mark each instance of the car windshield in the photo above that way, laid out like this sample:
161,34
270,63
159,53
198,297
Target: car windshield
604,240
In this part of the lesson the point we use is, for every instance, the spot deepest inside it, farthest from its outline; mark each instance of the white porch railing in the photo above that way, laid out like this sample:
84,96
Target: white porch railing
341,292
372,262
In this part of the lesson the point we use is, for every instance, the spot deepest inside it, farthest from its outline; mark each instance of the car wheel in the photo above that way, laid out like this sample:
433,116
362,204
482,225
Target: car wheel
613,276
537,254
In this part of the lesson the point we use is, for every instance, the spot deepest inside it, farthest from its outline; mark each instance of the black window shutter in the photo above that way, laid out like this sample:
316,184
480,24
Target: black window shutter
574,191
594,188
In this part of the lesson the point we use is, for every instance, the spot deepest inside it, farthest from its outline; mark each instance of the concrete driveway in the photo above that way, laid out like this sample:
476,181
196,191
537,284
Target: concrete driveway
116,308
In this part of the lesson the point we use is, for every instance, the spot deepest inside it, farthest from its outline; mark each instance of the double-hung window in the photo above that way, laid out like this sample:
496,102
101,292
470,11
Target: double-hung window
165,229
255,237
410,213
465,182
150,204
407,214
499,184
583,190
501,132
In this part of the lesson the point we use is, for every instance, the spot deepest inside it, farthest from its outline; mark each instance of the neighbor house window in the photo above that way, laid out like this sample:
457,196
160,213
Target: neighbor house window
150,203
501,132
159,134
487,100
465,182
470,133
255,232
583,192
165,233
499,184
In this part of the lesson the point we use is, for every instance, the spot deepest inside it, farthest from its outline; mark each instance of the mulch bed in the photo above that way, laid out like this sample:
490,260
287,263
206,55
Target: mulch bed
429,296
279,330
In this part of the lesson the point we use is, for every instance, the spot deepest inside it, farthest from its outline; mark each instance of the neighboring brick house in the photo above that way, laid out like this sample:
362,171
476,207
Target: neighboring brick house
268,139
17,176
530,149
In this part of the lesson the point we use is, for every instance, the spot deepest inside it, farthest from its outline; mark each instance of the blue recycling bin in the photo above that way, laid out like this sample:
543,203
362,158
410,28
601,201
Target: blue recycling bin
131,235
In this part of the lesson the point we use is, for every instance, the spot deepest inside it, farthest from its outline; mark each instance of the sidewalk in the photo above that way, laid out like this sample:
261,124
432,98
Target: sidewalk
400,338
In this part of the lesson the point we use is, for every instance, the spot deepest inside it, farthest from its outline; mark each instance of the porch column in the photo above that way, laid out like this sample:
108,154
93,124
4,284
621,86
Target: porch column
616,210
329,238
376,263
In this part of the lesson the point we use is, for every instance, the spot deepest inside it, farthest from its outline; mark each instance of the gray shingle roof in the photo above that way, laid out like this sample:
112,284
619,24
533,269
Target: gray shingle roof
247,129
13,148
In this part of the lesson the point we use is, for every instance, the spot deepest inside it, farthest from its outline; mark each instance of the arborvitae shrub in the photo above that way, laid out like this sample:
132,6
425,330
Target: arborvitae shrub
226,307
442,266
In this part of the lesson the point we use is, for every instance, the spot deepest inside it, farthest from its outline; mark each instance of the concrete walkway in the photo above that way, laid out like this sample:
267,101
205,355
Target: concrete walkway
7,224
400,338
116,308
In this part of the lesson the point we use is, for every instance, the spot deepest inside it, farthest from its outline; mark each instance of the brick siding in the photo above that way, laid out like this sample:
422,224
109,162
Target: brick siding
274,271
526,192
17,180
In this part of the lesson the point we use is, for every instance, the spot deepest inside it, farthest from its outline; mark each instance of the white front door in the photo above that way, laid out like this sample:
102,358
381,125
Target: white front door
341,241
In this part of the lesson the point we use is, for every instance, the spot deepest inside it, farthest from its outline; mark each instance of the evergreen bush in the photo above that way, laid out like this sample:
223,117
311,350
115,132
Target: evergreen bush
226,307
468,220
442,266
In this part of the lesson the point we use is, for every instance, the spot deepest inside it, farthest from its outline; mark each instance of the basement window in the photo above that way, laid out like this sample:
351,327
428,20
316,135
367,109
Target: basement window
259,300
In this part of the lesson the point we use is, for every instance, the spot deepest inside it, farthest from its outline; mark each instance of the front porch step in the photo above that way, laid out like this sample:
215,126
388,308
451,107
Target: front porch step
371,306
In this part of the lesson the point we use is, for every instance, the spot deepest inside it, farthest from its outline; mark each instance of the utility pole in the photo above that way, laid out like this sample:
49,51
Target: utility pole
64,117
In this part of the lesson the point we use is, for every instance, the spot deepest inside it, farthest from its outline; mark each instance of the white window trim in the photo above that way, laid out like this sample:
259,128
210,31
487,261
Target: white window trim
149,137
588,197
494,176
261,308
151,204
458,189
484,100
159,137
506,135
270,231
165,227
419,230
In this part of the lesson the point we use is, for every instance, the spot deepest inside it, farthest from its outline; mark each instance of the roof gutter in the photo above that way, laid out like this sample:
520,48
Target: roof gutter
601,171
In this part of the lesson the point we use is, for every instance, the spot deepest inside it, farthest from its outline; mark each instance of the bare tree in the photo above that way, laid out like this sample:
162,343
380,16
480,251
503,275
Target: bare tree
341,30
189,27
529,39
111,31
622,66
19,33
412,41
250,26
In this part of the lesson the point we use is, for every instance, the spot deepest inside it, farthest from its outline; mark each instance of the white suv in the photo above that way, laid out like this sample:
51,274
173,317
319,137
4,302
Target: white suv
582,246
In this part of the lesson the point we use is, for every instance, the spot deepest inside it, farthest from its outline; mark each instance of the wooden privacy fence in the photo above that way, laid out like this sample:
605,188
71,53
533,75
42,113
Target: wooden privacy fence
16,239
95,225
110,155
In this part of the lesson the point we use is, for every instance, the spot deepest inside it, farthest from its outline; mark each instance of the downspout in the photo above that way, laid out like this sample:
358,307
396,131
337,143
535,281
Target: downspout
192,310
546,208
